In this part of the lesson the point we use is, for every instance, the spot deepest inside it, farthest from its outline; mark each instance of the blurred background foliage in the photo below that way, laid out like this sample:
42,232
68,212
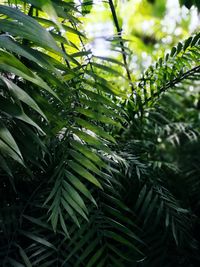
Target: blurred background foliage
150,28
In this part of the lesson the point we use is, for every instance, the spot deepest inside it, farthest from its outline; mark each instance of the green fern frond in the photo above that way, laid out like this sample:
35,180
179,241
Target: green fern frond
181,64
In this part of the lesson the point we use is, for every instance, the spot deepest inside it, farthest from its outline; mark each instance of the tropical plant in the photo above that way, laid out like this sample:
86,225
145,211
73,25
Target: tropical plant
92,175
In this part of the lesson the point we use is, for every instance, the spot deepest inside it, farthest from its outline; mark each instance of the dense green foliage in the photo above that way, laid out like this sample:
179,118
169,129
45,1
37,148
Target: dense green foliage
92,174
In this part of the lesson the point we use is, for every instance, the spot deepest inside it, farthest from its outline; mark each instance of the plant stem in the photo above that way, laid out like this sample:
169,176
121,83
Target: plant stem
119,32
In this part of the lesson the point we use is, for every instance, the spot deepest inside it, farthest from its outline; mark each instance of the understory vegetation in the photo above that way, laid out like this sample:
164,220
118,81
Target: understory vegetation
99,166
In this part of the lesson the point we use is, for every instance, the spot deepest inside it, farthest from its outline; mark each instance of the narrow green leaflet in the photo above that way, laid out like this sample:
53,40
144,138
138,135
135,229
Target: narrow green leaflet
92,247
6,136
91,140
121,228
31,54
37,221
23,25
112,60
88,153
85,162
70,211
96,129
80,186
48,8
10,60
92,262
98,116
63,224
38,239
80,242
84,173
7,151
108,69
20,94
10,63
101,99
102,108
75,196
120,239
73,204
11,109
86,6
4,165
24,257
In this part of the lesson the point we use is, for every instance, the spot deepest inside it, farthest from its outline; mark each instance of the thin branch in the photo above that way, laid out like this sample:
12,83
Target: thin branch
119,32
173,82
64,50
